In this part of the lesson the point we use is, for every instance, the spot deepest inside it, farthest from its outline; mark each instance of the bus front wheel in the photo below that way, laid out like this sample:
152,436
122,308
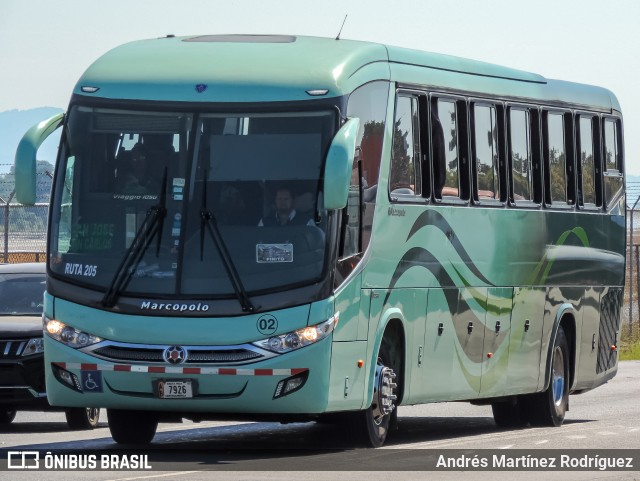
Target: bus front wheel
132,427
372,424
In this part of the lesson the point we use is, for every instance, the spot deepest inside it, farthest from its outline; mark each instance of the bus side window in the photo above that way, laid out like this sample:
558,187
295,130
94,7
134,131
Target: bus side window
369,104
449,144
486,160
405,180
613,173
588,170
555,158
520,155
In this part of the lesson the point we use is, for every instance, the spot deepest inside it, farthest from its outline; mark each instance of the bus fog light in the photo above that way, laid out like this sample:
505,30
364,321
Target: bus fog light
67,378
291,384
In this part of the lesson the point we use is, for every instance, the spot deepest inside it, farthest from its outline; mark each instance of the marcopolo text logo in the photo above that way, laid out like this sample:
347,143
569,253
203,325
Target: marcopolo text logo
174,307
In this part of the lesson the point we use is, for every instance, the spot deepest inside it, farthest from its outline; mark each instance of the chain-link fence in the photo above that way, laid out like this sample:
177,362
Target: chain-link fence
23,229
631,308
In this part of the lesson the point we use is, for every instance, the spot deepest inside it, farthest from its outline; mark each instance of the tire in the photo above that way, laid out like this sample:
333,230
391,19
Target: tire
548,408
7,416
509,414
372,425
82,418
132,427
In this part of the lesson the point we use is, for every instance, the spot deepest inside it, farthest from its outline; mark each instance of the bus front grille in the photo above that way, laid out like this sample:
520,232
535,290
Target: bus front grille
137,353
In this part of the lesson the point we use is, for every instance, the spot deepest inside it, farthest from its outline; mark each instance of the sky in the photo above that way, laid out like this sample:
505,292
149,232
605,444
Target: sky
46,45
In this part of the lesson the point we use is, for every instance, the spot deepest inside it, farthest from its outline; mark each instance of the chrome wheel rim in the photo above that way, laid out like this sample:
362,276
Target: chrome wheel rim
558,379
93,414
383,395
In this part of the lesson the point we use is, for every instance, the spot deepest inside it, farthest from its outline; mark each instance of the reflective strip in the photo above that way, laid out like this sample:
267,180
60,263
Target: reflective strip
222,371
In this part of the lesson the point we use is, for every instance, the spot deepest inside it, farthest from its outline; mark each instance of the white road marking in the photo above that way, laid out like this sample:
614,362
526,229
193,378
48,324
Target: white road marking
210,424
576,437
179,473
507,446
544,441
519,436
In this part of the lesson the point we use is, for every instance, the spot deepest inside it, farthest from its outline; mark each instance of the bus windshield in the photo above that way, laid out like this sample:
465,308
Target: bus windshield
172,203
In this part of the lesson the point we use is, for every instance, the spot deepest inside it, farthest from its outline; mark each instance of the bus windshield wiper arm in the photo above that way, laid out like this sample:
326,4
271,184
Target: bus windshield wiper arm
208,222
150,228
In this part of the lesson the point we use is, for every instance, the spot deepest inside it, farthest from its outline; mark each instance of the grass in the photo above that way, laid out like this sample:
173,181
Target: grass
630,344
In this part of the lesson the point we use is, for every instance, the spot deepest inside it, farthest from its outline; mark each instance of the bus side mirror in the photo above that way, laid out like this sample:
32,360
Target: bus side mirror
337,169
25,161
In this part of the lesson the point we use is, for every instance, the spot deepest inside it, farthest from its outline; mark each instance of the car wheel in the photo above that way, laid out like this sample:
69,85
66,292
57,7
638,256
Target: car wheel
7,416
82,418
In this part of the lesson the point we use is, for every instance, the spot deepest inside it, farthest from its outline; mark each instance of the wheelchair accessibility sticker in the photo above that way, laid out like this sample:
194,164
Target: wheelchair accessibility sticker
91,381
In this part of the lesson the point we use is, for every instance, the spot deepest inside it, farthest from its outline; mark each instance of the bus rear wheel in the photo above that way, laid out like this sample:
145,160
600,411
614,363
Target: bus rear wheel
548,408
372,424
132,427
509,414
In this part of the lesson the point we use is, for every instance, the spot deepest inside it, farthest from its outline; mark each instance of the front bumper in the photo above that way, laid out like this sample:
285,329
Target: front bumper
22,383
244,389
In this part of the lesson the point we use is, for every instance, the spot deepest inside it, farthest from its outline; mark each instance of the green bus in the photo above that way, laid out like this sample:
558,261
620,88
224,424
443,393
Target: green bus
298,229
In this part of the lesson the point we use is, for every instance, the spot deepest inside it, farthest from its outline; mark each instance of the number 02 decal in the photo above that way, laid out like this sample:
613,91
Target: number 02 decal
267,324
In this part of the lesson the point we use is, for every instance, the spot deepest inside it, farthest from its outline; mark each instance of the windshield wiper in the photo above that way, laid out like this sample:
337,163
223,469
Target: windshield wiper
208,221
150,228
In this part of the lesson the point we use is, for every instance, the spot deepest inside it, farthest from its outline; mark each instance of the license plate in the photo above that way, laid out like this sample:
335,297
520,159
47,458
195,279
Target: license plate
175,389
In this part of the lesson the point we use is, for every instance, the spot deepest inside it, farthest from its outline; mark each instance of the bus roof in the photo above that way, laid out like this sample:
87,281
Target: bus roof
271,68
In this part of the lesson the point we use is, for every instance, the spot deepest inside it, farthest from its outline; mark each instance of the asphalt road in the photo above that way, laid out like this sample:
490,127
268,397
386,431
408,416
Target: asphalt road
605,418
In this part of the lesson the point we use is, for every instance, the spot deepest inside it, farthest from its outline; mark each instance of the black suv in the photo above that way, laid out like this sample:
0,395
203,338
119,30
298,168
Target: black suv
21,348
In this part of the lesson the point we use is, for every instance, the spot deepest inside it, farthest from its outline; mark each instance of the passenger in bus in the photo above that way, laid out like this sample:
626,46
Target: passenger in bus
134,177
284,213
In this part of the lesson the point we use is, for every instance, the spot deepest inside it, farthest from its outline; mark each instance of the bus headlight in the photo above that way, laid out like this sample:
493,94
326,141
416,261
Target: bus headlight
68,335
291,341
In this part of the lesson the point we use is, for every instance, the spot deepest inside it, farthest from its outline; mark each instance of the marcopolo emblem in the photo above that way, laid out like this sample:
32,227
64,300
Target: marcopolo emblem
201,88
175,355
